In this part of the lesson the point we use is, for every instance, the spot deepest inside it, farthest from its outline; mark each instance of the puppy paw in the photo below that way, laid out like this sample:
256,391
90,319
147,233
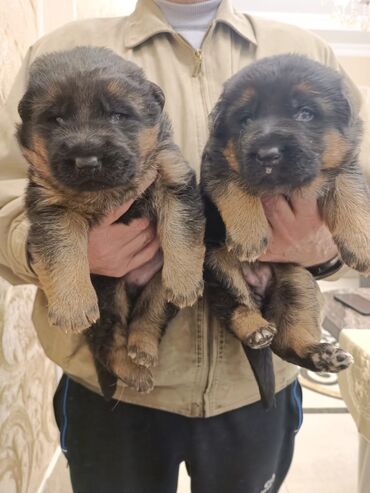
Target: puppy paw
354,249
361,263
142,357
248,251
134,376
262,337
183,296
74,317
143,382
138,378
330,358
142,349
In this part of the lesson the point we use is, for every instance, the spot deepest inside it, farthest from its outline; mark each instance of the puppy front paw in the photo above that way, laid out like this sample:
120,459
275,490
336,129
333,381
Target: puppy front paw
74,314
183,296
359,261
182,276
248,251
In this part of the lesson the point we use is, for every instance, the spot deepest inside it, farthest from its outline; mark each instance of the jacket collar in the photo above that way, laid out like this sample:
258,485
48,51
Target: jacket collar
147,20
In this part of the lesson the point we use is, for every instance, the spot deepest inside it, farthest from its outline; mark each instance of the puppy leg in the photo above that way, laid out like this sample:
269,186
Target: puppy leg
294,306
346,210
151,314
226,291
232,301
180,227
243,214
108,340
58,247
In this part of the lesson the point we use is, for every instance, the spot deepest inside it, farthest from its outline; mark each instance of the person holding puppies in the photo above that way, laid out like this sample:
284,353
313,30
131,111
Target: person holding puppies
204,408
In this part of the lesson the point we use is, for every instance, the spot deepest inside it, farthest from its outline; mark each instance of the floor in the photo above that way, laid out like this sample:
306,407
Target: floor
325,459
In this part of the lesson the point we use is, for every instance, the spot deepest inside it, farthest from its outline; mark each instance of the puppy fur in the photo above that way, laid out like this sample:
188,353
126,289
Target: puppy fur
283,124
93,128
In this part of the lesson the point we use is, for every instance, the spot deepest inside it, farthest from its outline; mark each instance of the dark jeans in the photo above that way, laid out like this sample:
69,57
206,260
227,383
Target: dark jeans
121,448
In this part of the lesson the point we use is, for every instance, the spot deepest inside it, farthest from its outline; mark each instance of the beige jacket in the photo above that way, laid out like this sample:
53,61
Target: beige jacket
202,370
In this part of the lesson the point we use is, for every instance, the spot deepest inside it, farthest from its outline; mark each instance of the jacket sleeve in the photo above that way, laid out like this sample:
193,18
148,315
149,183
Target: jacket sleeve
358,102
13,180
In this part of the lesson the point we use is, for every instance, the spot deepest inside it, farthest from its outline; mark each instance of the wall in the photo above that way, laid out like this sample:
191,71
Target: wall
27,20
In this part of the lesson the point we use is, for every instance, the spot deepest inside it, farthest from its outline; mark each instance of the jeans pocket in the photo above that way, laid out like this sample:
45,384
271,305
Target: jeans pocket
296,395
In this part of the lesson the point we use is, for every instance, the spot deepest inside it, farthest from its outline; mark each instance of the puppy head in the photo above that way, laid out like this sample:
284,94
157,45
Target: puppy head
89,119
282,120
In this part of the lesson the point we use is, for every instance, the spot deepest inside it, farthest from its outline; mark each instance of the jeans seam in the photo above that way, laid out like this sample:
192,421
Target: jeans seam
298,404
63,444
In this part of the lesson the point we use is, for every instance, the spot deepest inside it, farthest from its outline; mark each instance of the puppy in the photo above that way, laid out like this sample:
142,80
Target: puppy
282,124
93,128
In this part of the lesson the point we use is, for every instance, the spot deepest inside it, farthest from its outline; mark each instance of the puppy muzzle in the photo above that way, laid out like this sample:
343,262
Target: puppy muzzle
93,164
278,159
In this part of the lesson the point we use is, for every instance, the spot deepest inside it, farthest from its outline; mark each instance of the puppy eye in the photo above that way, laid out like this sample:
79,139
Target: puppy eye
60,120
246,120
304,114
117,117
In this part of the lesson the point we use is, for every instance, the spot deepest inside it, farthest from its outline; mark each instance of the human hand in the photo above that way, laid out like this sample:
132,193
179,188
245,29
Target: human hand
298,233
117,250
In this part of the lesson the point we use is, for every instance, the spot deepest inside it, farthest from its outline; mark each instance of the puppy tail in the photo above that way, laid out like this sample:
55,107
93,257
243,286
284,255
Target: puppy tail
261,363
107,381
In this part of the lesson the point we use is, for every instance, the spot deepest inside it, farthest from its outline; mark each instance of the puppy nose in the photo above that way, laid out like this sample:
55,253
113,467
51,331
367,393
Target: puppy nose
269,155
87,162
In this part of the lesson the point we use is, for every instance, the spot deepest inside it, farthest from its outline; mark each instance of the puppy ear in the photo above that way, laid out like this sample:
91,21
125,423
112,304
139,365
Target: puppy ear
25,111
215,119
158,94
352,97
25,106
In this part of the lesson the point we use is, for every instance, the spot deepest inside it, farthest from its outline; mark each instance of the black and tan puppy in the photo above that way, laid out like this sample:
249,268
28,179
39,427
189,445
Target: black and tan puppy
282,124
92,130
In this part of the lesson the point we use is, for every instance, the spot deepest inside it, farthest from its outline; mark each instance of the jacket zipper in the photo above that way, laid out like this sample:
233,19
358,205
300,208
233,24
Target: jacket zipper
197,53
198,59
198,63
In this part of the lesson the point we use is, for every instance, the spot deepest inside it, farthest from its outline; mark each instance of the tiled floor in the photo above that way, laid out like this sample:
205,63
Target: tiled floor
325,459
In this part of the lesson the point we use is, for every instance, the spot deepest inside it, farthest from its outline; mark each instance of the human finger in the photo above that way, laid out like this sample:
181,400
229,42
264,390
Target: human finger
304,204
144,255
278,210
125,233
131,248
144,273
